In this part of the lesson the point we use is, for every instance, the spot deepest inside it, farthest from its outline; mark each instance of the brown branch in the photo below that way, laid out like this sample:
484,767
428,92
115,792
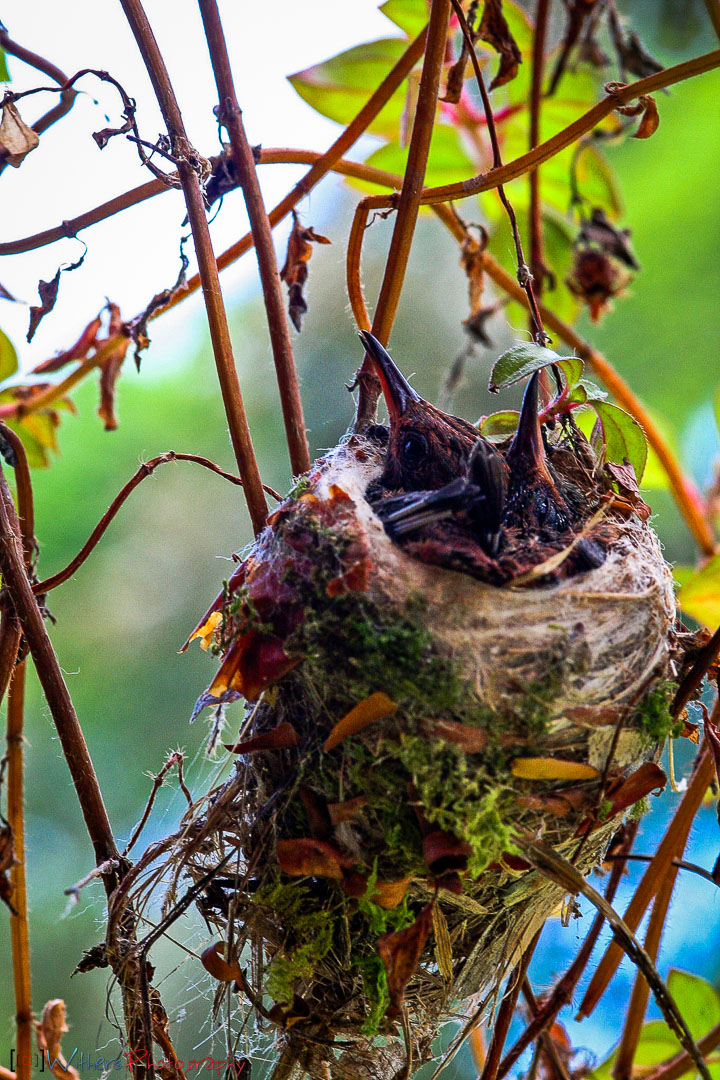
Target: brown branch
409,201
671,847
188,167
637,1006
25,501
620,95
524,275
19,936
696,674
244,165
144,470
564,989
537,262
67,95
552,865
548,1044
507,1011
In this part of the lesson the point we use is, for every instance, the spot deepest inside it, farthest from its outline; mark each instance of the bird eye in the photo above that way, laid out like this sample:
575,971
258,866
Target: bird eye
414,448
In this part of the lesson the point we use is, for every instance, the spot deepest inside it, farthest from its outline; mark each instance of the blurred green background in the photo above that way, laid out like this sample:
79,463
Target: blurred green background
122,619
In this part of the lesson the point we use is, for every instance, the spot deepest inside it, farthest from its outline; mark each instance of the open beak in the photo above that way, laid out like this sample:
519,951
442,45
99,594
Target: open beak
527,451
396,389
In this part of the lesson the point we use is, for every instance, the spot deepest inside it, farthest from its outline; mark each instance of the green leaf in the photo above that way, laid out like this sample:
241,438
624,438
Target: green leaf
410,15
657,1043
499,423
8,357
585,391
4,73
447,160
339,87
622,437
37,454
571,368
700,596
698,999
522,360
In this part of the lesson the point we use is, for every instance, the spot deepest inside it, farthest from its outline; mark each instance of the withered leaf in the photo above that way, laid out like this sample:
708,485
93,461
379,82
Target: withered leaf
400,952
7,861
444,853
48,291
78,351
347,810
650,120
280,738
598,229
623,793
305,857
295,271
217,966
443,945
16,138
495,31
5,294
624,477
285,1016
48,1034
373,708
552,769
317,812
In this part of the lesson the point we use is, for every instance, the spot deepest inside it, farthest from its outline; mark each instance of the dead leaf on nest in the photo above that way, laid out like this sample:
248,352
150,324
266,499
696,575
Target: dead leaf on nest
305,857
540,768
373,708
280,738
216,965
400,952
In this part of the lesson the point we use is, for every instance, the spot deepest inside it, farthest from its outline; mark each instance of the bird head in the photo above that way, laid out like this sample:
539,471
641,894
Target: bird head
427,448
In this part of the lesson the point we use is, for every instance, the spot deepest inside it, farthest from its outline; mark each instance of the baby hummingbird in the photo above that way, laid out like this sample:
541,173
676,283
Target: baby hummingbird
449,496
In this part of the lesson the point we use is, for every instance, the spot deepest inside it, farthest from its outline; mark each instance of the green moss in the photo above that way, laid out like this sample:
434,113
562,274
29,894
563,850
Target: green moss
309,925
639,809
652,716
458,795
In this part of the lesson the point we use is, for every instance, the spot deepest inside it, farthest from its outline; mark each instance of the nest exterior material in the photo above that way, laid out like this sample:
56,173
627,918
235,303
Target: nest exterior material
409,721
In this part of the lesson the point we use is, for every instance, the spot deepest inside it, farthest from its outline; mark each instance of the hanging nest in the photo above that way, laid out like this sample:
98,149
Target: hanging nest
407,724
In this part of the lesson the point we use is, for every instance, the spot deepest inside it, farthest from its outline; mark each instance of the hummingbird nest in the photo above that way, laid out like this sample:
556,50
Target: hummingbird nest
409,721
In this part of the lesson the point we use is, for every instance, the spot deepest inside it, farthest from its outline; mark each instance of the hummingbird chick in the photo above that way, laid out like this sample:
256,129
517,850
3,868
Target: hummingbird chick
449,496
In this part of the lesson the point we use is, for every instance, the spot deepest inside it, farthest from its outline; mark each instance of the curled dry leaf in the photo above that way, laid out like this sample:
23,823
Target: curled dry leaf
624,477
280,738
347,810
48,292
7,861
215,963
16,138
373,708
495,31
400,952
305,857
622,793
650,119
295,271
48,1034
78,351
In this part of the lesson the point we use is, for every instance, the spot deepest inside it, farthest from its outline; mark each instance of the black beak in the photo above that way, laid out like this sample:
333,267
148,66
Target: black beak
397,390
527,451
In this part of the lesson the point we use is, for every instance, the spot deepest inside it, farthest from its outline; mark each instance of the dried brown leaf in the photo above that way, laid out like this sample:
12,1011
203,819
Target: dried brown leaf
280,738
78,351
348,810
495,31
650,118
373,708
443,945
305,857
16,138
48,1034
539,768
295,271
216,965
400,952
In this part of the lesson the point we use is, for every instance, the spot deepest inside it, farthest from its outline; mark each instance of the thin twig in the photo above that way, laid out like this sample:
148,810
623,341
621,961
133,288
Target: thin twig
681,864
244,165
546,1039
671,847
553,866
537,262
409,202
564,989
19,934
524,275
175,758
144,470
189,166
